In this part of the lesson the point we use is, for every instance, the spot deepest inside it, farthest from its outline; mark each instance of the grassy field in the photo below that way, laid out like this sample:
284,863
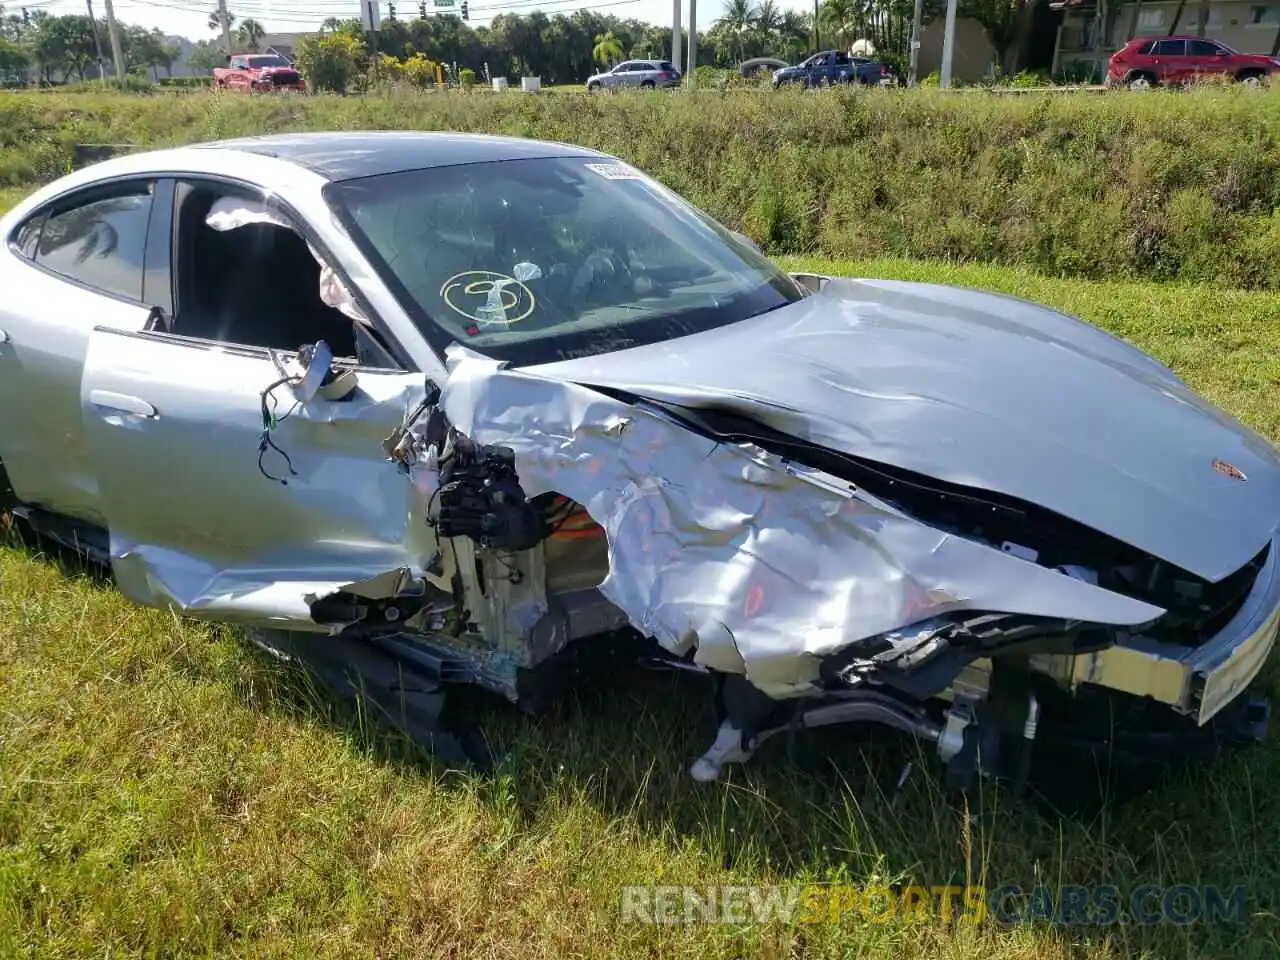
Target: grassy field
167,791
1167,186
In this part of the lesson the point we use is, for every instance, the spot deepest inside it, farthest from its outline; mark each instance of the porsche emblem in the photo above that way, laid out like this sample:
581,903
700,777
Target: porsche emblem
1227,470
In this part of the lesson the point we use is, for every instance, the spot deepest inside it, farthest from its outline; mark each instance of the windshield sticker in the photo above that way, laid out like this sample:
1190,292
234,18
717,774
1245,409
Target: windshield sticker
488,298
614,171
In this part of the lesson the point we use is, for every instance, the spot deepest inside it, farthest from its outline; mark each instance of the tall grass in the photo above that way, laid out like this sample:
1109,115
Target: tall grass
1165,186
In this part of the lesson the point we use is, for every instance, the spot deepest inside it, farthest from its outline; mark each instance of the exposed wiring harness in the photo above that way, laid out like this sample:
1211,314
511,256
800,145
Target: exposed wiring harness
270,421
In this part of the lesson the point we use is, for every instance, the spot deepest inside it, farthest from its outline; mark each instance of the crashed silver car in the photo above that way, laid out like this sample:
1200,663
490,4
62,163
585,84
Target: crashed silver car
446,409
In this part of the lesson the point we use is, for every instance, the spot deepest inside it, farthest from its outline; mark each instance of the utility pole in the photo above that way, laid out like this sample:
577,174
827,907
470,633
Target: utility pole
371,20
693,44
817,31
97,40
914,67
675,35
226,24
114,32
948,45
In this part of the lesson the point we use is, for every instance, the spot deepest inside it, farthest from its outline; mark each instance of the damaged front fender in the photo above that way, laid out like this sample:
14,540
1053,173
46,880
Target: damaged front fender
760,567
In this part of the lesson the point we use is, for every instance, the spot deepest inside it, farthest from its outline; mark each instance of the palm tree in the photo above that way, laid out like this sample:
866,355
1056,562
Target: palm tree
768,17
739,17
607,49
251,32
216,18
840,17
794,31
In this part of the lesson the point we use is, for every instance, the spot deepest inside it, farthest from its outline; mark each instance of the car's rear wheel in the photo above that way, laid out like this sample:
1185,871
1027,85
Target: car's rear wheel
1140,81
647,85
1252,78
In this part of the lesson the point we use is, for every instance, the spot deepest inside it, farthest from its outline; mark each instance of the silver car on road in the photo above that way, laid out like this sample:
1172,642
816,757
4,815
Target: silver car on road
636,74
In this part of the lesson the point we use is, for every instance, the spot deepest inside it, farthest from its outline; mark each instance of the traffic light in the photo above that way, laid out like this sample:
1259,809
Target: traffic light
422,9
465,14
391,10
26,17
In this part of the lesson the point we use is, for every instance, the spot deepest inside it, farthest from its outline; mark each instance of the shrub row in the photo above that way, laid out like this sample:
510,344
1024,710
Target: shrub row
1160,186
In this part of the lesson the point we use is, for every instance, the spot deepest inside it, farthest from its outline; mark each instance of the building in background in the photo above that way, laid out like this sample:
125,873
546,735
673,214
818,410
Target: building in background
284,44
1092,30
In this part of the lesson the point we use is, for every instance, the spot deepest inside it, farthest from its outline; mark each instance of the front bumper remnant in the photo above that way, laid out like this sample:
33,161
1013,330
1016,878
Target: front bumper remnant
1197,682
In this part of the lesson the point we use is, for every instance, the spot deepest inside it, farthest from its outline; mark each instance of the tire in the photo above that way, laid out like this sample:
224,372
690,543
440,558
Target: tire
1140,81
647,85
593,88
1252,78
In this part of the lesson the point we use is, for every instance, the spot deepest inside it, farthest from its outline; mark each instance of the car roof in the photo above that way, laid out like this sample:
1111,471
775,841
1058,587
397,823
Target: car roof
300,163
1176,36
349,155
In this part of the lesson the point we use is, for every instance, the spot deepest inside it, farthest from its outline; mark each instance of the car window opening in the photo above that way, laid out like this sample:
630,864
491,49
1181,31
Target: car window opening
255,285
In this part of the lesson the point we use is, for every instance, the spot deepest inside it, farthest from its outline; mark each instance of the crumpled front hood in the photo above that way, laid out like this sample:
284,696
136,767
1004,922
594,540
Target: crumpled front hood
986,391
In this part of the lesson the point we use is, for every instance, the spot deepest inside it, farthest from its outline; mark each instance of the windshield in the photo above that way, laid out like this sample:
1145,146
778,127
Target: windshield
534,261
266,61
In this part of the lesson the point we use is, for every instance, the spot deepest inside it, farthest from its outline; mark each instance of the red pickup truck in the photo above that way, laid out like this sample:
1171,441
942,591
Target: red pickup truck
257,72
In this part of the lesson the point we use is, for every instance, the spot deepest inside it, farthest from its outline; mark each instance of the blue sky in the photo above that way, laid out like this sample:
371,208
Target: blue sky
188,17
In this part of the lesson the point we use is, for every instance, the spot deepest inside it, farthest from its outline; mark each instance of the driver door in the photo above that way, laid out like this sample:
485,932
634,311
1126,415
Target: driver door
1205,58
206,520
821,72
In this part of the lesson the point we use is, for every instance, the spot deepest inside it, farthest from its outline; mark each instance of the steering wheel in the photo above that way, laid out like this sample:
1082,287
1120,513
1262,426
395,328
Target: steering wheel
598,270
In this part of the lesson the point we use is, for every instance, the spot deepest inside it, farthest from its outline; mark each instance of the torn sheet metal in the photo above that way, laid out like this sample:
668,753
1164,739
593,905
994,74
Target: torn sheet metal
231,213
725,548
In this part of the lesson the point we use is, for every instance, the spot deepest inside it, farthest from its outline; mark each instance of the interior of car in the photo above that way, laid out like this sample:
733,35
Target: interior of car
256,285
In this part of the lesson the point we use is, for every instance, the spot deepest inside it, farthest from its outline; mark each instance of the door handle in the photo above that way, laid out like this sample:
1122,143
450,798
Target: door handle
122,403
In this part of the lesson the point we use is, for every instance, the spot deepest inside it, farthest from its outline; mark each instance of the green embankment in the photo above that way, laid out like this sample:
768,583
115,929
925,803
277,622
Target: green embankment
1117,186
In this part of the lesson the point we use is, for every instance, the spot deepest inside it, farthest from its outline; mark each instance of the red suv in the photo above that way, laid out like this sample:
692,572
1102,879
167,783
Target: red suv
1147,61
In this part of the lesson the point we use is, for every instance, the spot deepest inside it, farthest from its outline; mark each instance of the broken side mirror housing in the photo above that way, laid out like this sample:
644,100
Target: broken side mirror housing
320,378
811,282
